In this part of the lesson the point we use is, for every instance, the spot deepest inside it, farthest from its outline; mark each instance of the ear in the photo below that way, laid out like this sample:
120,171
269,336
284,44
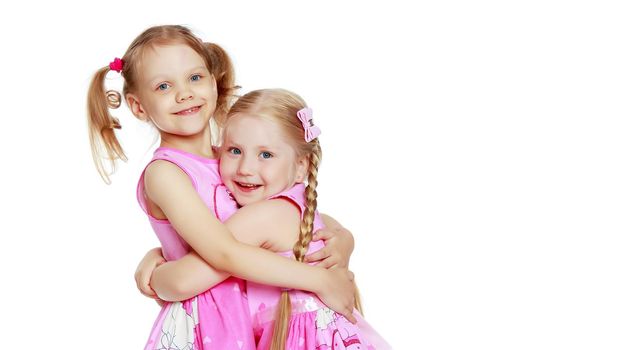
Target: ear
302,168
136,107
214,85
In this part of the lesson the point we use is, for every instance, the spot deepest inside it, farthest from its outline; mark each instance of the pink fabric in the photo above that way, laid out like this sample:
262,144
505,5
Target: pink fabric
218,318
305,116
313,326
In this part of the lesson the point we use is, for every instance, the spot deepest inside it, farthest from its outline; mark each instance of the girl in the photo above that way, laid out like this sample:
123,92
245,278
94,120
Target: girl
177,82
270,148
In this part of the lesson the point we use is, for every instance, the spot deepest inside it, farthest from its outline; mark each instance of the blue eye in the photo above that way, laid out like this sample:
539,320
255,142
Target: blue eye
163,86
265,155
195,77
235,151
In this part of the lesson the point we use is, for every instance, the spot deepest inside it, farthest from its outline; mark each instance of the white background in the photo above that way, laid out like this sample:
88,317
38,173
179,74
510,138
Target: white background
472,147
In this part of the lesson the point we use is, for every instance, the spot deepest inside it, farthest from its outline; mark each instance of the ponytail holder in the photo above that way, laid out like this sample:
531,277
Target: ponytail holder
305,116
116,65
115,124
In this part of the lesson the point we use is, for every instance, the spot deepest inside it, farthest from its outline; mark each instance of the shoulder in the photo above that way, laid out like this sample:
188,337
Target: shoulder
162,176
268,210
266,223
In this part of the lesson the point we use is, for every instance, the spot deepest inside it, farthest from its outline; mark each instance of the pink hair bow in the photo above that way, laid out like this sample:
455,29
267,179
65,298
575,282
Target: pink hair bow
116,65
306,118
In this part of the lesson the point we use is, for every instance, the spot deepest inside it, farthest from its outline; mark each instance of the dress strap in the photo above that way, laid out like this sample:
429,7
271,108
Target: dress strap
170,155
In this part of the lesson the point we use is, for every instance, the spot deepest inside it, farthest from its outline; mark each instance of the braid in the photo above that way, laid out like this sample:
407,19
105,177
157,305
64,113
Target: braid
283,107
306,226
281,322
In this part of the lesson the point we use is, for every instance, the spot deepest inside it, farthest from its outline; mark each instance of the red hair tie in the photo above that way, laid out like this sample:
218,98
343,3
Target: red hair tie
116,65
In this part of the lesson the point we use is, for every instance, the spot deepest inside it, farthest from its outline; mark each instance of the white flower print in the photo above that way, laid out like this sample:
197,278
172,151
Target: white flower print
323,317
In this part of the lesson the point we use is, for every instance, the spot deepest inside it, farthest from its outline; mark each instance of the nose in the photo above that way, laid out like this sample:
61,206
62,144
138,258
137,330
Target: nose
245,167
184,95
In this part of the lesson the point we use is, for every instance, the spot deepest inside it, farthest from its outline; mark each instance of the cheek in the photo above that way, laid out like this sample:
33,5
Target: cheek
281,174
225,169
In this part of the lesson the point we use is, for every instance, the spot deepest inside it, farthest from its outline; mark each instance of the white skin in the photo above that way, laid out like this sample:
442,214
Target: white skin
257,162
177,93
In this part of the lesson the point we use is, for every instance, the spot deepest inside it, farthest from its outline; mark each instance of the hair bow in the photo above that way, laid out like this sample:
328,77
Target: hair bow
116,65
306,118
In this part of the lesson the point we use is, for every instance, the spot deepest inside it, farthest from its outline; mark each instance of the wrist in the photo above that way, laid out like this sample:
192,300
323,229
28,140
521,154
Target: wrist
322,282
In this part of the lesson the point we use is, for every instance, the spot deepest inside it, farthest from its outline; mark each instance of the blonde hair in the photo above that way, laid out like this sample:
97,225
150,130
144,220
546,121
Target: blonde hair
281,106
105,146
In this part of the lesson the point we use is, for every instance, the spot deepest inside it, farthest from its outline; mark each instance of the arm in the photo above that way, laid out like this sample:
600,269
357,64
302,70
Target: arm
142,275
176,280
184,278
166,186
191,275
339,245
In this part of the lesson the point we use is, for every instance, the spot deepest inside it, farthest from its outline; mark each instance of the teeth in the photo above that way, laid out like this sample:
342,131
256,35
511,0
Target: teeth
189,110
247,185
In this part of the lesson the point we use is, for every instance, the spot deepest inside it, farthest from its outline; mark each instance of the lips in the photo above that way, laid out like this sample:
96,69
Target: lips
189,111
246,187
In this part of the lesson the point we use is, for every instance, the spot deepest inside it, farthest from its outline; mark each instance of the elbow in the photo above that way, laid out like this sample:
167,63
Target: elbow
172,294
169,291
224,260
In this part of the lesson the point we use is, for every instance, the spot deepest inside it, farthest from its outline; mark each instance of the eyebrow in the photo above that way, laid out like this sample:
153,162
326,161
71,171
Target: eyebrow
158,78
229,143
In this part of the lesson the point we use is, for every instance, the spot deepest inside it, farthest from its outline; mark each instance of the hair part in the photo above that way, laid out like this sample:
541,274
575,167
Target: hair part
105,146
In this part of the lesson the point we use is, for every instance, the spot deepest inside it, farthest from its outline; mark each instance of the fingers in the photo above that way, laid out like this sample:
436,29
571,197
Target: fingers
351,275
150,293
145,289
323,234
317,256
349,315
328,263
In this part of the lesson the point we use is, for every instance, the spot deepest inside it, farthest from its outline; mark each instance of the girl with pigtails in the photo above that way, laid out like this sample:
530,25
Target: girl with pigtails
178,83
270,149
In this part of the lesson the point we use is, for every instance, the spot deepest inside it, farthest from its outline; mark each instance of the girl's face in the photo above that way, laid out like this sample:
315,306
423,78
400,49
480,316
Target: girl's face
256,161
175,90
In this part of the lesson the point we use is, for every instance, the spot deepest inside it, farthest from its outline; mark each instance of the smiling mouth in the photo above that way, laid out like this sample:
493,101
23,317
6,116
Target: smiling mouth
246,187
189,111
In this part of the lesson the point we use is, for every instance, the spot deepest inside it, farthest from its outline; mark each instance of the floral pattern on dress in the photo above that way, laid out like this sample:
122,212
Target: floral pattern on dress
178,328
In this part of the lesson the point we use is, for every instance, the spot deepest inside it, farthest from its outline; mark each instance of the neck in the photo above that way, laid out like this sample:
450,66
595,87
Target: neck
199,144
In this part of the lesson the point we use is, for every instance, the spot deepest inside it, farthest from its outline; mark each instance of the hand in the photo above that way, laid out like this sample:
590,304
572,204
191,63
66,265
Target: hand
145,268
338,292
339,246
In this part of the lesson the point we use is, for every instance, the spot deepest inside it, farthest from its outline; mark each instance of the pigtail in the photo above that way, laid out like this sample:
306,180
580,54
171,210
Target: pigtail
221,67
105,146
281,322
306,226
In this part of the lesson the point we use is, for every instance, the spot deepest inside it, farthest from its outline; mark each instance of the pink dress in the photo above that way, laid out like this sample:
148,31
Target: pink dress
313,326
218,318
